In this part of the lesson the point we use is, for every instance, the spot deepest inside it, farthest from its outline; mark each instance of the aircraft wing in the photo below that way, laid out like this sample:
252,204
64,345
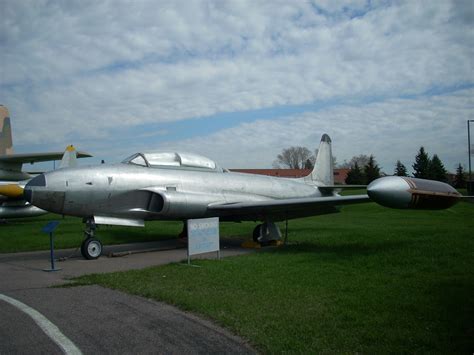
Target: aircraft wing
37,157
285,208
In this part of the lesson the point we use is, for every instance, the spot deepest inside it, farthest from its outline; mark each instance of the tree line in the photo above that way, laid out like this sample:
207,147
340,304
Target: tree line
424,167
364,169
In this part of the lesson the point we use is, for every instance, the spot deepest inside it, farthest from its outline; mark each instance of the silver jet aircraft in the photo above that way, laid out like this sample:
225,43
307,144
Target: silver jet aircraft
181,186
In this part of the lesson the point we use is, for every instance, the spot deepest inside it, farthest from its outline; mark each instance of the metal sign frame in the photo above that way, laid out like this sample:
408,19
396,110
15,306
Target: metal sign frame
203,236
49,229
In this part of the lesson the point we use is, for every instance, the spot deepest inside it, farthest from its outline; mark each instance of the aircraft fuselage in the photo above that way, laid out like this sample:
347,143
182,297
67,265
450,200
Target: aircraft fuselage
129,191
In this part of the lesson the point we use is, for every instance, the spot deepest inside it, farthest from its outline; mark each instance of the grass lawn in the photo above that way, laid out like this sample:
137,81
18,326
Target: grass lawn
368,280
24,234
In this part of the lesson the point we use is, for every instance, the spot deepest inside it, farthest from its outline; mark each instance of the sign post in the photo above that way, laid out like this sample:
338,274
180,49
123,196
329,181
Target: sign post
49,229
203,236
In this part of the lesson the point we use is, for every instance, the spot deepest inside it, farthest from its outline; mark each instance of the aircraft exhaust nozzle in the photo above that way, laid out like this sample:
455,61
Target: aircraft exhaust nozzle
410,193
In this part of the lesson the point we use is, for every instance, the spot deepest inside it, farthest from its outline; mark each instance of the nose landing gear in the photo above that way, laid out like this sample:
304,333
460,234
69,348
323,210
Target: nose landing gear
91,248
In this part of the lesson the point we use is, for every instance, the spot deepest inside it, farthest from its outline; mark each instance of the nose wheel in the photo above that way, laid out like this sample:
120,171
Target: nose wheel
91,247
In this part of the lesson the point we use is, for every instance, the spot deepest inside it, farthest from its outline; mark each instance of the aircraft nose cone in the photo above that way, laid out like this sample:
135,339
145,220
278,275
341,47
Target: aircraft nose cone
46,191
38,181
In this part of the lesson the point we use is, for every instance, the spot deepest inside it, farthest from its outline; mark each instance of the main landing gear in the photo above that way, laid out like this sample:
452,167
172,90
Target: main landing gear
91,248
266,233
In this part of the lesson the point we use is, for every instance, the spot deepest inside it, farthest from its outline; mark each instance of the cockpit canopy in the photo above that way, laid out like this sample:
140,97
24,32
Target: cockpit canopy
172,160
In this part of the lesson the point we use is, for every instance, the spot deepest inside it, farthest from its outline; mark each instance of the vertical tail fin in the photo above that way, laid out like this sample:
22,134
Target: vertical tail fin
322,173
69,159
6,141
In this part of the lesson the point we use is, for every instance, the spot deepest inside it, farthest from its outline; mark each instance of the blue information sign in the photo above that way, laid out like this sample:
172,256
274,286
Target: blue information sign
50,227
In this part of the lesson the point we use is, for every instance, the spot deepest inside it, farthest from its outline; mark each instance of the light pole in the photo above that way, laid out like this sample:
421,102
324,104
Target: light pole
469,183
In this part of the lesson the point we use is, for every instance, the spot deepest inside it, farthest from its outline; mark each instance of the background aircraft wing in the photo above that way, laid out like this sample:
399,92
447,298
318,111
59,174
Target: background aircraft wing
285,208
37,157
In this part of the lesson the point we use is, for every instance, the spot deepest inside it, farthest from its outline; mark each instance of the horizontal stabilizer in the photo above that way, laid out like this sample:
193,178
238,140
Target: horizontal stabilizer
37,157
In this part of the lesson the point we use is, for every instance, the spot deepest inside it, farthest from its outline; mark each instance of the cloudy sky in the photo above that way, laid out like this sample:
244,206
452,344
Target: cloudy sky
238,81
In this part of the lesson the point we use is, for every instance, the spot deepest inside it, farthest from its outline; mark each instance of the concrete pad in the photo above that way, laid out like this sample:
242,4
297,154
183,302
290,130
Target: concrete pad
101,320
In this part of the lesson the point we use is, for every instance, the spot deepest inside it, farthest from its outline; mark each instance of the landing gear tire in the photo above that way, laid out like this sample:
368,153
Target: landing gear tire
91,248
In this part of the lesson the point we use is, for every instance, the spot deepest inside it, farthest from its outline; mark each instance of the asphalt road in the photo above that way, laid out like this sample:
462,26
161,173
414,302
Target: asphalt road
95,319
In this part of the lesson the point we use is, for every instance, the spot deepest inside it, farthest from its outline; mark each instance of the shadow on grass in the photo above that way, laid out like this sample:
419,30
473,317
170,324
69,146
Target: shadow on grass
456,313
344,249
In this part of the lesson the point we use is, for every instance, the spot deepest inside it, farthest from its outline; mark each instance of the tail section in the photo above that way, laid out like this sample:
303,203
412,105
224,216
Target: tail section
69,159
323,171
6,141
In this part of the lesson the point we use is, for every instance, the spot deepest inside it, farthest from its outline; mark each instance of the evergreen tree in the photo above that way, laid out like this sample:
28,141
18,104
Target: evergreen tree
436,170
459,179
422,165
372,170
308,164
355,176
400,169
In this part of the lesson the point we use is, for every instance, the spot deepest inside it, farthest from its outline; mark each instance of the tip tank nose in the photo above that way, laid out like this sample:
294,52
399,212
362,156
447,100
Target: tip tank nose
390,191
405,192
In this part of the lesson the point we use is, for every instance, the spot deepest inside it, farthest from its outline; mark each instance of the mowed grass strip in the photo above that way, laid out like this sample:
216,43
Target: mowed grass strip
24,234
368,280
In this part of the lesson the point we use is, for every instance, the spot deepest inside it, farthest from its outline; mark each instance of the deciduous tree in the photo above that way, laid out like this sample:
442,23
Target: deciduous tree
360,159
293,158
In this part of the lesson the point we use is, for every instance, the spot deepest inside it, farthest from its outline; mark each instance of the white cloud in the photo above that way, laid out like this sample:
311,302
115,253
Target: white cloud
391,130
76,70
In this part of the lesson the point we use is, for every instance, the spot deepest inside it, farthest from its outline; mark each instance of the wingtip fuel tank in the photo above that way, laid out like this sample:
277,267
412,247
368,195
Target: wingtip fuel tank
411,193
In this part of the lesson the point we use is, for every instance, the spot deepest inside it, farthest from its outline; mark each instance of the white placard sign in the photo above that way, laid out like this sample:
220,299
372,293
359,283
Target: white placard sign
203,235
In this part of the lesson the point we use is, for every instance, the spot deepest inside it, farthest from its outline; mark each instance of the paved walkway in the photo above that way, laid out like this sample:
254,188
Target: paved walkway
99,320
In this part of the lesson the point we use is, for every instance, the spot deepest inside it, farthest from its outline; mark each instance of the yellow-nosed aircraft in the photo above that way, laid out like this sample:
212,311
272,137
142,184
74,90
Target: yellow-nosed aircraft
13,179
11,164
